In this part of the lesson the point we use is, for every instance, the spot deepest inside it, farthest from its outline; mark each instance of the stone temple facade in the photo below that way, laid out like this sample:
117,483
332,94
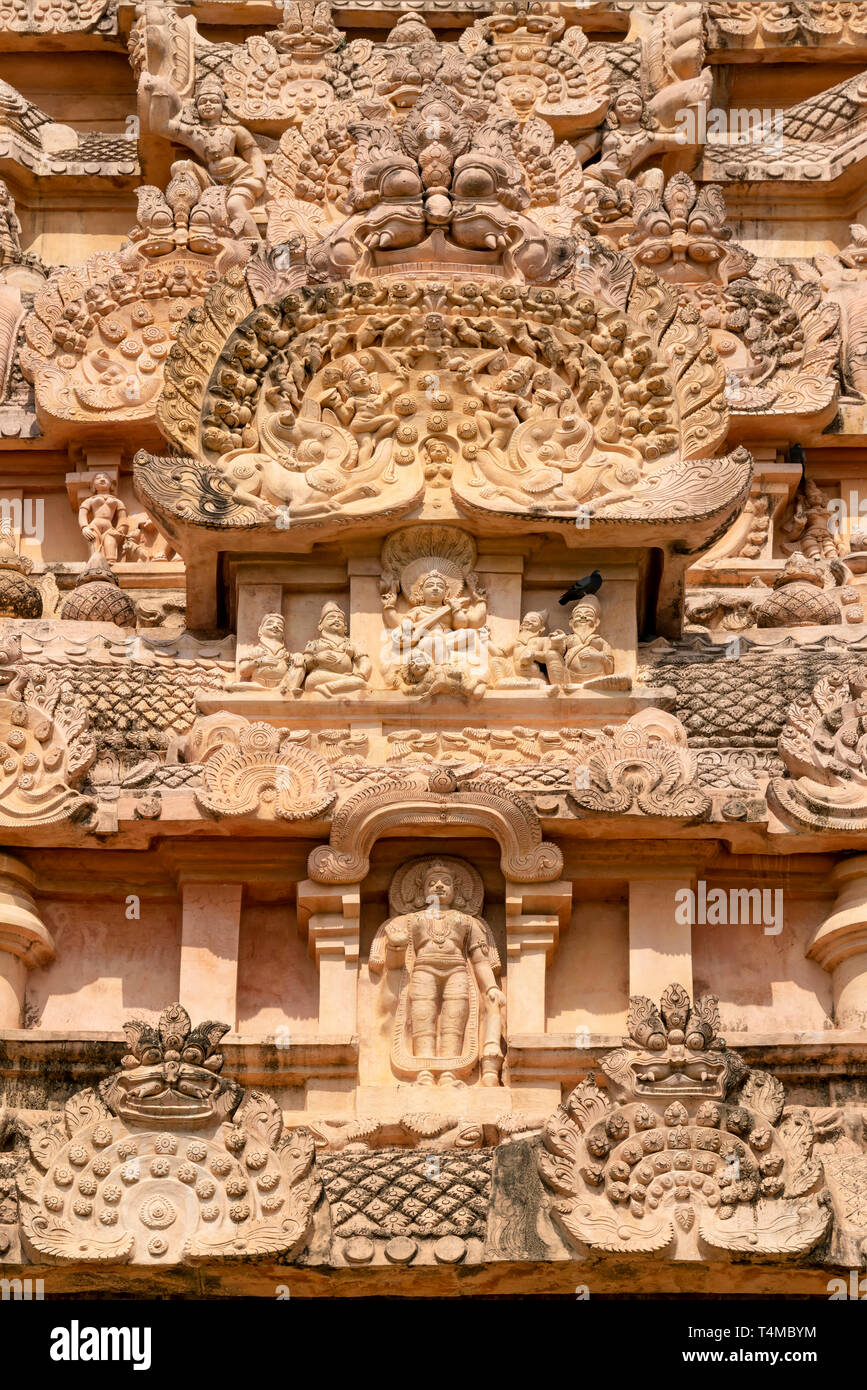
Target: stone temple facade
433,726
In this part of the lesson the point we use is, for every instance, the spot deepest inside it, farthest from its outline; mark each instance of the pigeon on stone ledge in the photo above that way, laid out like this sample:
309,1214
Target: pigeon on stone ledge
590,584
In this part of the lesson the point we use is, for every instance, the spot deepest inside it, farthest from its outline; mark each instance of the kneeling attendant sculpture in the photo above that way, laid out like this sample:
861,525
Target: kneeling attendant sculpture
450,968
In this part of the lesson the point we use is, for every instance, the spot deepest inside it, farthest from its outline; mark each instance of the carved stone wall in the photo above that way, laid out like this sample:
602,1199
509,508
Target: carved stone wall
433,575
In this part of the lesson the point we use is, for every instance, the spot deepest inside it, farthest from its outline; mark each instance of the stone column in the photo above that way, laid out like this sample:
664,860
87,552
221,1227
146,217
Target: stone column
839,944
330,916
660,946
25,941
209,948
535,915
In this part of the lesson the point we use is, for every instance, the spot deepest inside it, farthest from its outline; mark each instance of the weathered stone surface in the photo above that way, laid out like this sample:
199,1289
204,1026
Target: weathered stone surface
433,577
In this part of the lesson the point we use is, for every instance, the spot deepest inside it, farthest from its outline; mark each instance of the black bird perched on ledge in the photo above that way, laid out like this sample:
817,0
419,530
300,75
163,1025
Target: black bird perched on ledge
796,455
590,584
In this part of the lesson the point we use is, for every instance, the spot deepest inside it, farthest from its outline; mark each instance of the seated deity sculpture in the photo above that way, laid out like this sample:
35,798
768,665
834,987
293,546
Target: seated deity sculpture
436,644
363,406
269,664
227,150
448,1016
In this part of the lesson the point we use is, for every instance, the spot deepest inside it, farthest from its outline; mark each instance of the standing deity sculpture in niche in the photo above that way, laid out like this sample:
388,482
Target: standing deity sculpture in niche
449,1012
103,519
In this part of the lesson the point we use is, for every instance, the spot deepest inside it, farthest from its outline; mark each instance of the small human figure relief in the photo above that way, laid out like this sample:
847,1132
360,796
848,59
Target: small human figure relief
588,656
268,664
449,1012
103,519
228,151
536,657
539,659
332,663
439,644
809,525
632,134
322,449
143,541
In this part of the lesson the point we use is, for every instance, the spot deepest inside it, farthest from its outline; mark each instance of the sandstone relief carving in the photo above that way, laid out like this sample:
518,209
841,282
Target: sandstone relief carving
98,336
19,595
438,634
167,1162
330,664
261,771
688,1152
822,748
46,748
643,767
448,1014
778,336
522,420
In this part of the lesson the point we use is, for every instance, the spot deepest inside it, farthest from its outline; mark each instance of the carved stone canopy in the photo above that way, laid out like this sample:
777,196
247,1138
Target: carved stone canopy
594,413
436,798
688,1152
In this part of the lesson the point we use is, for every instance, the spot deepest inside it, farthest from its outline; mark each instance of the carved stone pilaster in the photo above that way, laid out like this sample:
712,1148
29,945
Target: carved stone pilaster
329,916
25,941
535,915
839,944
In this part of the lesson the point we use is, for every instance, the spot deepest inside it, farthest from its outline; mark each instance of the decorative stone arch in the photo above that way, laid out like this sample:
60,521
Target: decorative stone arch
485,803
538,902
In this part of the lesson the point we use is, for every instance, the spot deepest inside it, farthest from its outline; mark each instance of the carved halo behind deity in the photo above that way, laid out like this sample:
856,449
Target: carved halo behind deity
407,894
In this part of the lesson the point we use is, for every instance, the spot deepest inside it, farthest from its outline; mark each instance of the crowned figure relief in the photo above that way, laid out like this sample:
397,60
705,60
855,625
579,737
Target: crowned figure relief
448,1017
227,150
438,643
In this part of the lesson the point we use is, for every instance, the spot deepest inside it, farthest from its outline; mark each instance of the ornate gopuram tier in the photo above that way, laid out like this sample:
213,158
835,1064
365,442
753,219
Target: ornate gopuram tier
433,576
